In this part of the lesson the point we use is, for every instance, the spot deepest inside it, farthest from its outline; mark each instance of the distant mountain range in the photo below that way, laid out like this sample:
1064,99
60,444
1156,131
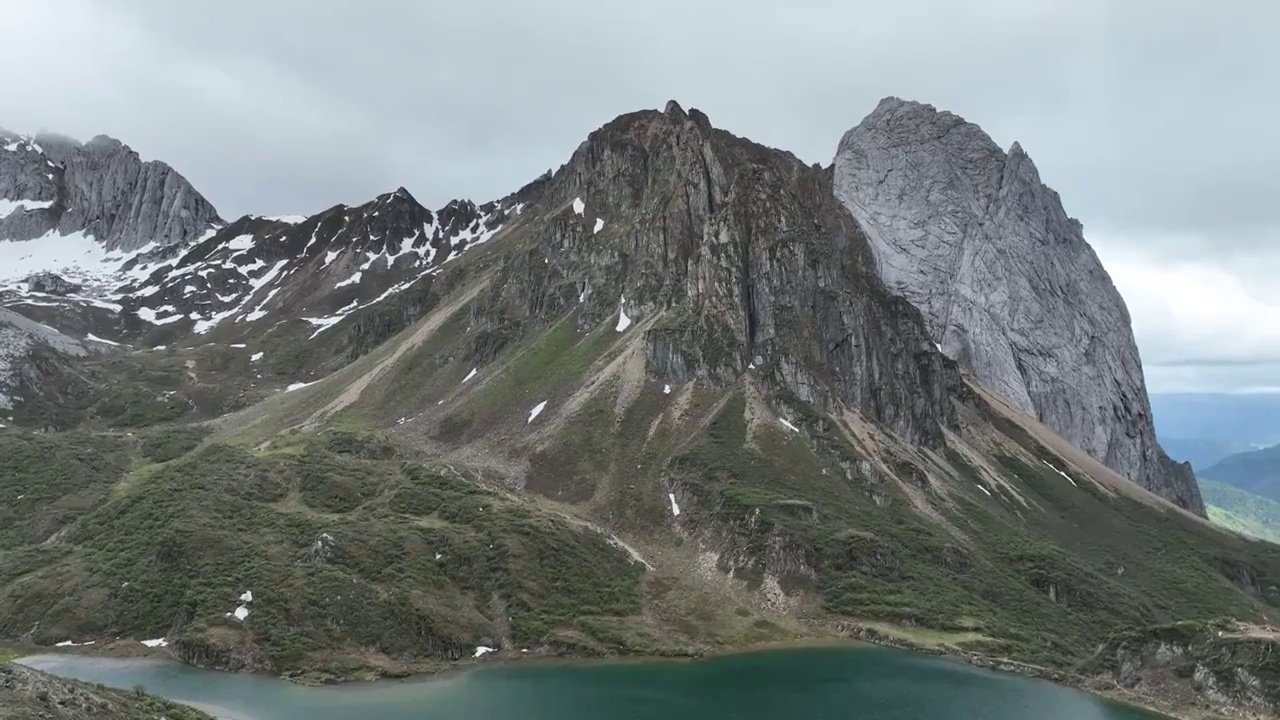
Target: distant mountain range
1256,471
1203,428
1241,510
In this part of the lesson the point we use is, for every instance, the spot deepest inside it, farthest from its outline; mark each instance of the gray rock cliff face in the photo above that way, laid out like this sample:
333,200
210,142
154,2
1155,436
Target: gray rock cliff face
729,257
1006,282
101,188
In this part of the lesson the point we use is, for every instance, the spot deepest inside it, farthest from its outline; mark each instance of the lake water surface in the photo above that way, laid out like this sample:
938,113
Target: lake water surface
793,684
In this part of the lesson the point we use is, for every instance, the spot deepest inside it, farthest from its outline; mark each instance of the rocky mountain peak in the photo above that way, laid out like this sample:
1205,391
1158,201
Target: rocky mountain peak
1005,280
721,255
102,189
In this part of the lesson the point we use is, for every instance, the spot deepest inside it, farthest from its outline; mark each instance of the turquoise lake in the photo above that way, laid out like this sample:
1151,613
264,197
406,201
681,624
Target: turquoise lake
793,684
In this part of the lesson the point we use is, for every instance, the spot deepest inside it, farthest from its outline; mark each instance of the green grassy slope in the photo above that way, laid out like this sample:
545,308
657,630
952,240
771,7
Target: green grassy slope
381,546
1256,471
1242,511
346,545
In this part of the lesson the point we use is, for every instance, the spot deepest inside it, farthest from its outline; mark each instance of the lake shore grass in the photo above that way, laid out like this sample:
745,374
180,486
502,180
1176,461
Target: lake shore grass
9,651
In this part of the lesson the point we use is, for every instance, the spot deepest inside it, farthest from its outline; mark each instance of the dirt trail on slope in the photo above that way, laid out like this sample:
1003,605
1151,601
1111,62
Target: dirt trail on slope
612,538
424,330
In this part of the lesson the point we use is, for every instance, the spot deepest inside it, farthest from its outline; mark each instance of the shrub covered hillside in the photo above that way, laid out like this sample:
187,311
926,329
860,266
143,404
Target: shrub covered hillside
344,546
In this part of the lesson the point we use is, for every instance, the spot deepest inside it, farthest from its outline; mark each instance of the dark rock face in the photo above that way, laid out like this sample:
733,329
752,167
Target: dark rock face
101,188
1005,281
19,336
52,284
741,257
320,269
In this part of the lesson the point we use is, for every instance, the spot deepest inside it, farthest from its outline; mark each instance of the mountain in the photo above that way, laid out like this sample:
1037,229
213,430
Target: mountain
656,402
1005,281
1200,452
85,210
1257,472
1242,511
1204,428
53,185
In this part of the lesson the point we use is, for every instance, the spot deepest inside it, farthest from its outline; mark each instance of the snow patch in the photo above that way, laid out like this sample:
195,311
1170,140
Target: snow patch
470,375
788,425
239,346
351,280
536,411
482,650
246,596
291,219
205,326
241,613
97,339
158,642
666,389
256,356
7,207
69,643
240,243
675,509
324,323
1068,477
75,256
330,256
624,322
579,207
599,226
260,311
985,490
151,315
299,386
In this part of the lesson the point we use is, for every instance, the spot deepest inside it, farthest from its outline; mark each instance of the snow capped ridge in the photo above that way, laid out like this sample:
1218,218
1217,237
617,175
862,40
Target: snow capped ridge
322,268
185,269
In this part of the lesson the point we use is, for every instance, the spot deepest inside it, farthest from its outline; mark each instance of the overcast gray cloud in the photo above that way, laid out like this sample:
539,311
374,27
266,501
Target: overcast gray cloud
1154,120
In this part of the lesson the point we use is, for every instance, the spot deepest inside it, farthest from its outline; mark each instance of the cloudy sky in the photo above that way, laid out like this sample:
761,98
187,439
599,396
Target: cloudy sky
1155,119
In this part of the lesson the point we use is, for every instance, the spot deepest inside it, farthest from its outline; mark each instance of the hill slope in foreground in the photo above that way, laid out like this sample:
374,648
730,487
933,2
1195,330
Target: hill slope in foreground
27,694
667,408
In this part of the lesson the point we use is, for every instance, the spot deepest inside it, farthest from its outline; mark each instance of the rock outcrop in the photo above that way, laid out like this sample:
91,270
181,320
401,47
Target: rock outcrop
18,337
101,188
730,257
1006,282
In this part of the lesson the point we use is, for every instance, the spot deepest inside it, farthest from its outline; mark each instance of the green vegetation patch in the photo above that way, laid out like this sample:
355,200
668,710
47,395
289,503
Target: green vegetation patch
47,481
343,545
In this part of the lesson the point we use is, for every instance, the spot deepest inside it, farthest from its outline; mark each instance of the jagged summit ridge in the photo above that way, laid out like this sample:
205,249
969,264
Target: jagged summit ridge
725,256
1006,282
101,188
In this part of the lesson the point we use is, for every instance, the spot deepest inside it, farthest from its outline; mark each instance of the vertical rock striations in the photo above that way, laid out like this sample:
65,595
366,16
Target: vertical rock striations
1006,282
101,188
730,258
